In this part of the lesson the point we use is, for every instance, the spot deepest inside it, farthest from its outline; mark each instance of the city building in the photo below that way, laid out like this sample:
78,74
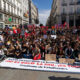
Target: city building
65,11
33,13
25,11
13,12
10,13
50,19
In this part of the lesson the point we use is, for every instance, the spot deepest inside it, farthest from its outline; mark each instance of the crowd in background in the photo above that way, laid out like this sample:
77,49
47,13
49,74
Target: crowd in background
34,42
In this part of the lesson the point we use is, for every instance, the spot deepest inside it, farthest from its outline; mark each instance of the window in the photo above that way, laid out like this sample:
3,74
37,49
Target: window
78,10
64,1
19,12
64,10
1,25
12,1
71,9
2,4
71,1
1,17
15,2
16,11
13,10
6,7
78,1
10,8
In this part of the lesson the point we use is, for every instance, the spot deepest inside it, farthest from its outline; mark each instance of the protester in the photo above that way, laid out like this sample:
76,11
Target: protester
34,42
2,53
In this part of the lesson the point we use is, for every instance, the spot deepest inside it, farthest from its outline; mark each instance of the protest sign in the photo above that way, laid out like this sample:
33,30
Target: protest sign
54,36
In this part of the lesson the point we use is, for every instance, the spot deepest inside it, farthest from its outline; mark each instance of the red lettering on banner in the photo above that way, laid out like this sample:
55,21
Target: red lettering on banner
32,63
16,62
52,65
62,65
9,61
39,63
73,66
69,66
76,66
27,63
24,63
47,64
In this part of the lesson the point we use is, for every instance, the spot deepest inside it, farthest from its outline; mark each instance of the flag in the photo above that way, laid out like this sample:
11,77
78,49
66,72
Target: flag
27,12
57,26
67,26
53,27
77,38
15,31
64,24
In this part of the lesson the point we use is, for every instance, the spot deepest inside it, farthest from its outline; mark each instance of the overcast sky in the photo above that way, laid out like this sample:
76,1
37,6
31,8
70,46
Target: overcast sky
44,7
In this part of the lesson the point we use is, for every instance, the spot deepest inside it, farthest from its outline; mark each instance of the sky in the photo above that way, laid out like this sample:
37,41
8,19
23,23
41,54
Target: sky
44,7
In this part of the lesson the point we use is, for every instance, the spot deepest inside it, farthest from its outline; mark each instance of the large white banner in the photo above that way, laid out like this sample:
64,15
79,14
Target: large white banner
40,65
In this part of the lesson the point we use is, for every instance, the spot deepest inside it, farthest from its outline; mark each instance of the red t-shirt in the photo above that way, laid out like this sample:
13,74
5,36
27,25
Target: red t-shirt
37,57
19,31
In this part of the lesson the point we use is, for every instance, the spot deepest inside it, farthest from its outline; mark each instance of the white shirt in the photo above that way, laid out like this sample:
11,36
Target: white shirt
1,52
1,37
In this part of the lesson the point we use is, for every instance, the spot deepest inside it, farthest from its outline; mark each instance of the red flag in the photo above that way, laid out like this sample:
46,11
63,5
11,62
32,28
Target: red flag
18,31
77,38
57,26
26,35
15,31
67,26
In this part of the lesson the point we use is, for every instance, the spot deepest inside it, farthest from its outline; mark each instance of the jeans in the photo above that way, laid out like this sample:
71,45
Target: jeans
27,56
2,57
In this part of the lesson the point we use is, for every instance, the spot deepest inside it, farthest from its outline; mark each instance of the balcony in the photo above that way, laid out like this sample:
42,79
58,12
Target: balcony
64,4
78,13
71,13
75,13
78,2
63,13
72,3
0,8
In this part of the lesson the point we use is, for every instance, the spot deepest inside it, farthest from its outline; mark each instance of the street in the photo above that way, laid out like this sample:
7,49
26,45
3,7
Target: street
14,74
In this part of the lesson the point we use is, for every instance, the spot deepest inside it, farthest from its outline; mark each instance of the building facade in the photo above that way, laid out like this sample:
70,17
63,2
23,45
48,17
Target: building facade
25,11
13,12
33,13
65,11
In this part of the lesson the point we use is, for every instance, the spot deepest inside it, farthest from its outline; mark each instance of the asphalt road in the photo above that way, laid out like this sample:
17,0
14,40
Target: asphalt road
14,74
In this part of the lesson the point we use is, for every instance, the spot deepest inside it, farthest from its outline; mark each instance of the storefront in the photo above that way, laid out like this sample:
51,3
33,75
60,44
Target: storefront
1,20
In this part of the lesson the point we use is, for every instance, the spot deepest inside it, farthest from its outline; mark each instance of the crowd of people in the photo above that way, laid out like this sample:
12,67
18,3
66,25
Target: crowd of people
34,42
